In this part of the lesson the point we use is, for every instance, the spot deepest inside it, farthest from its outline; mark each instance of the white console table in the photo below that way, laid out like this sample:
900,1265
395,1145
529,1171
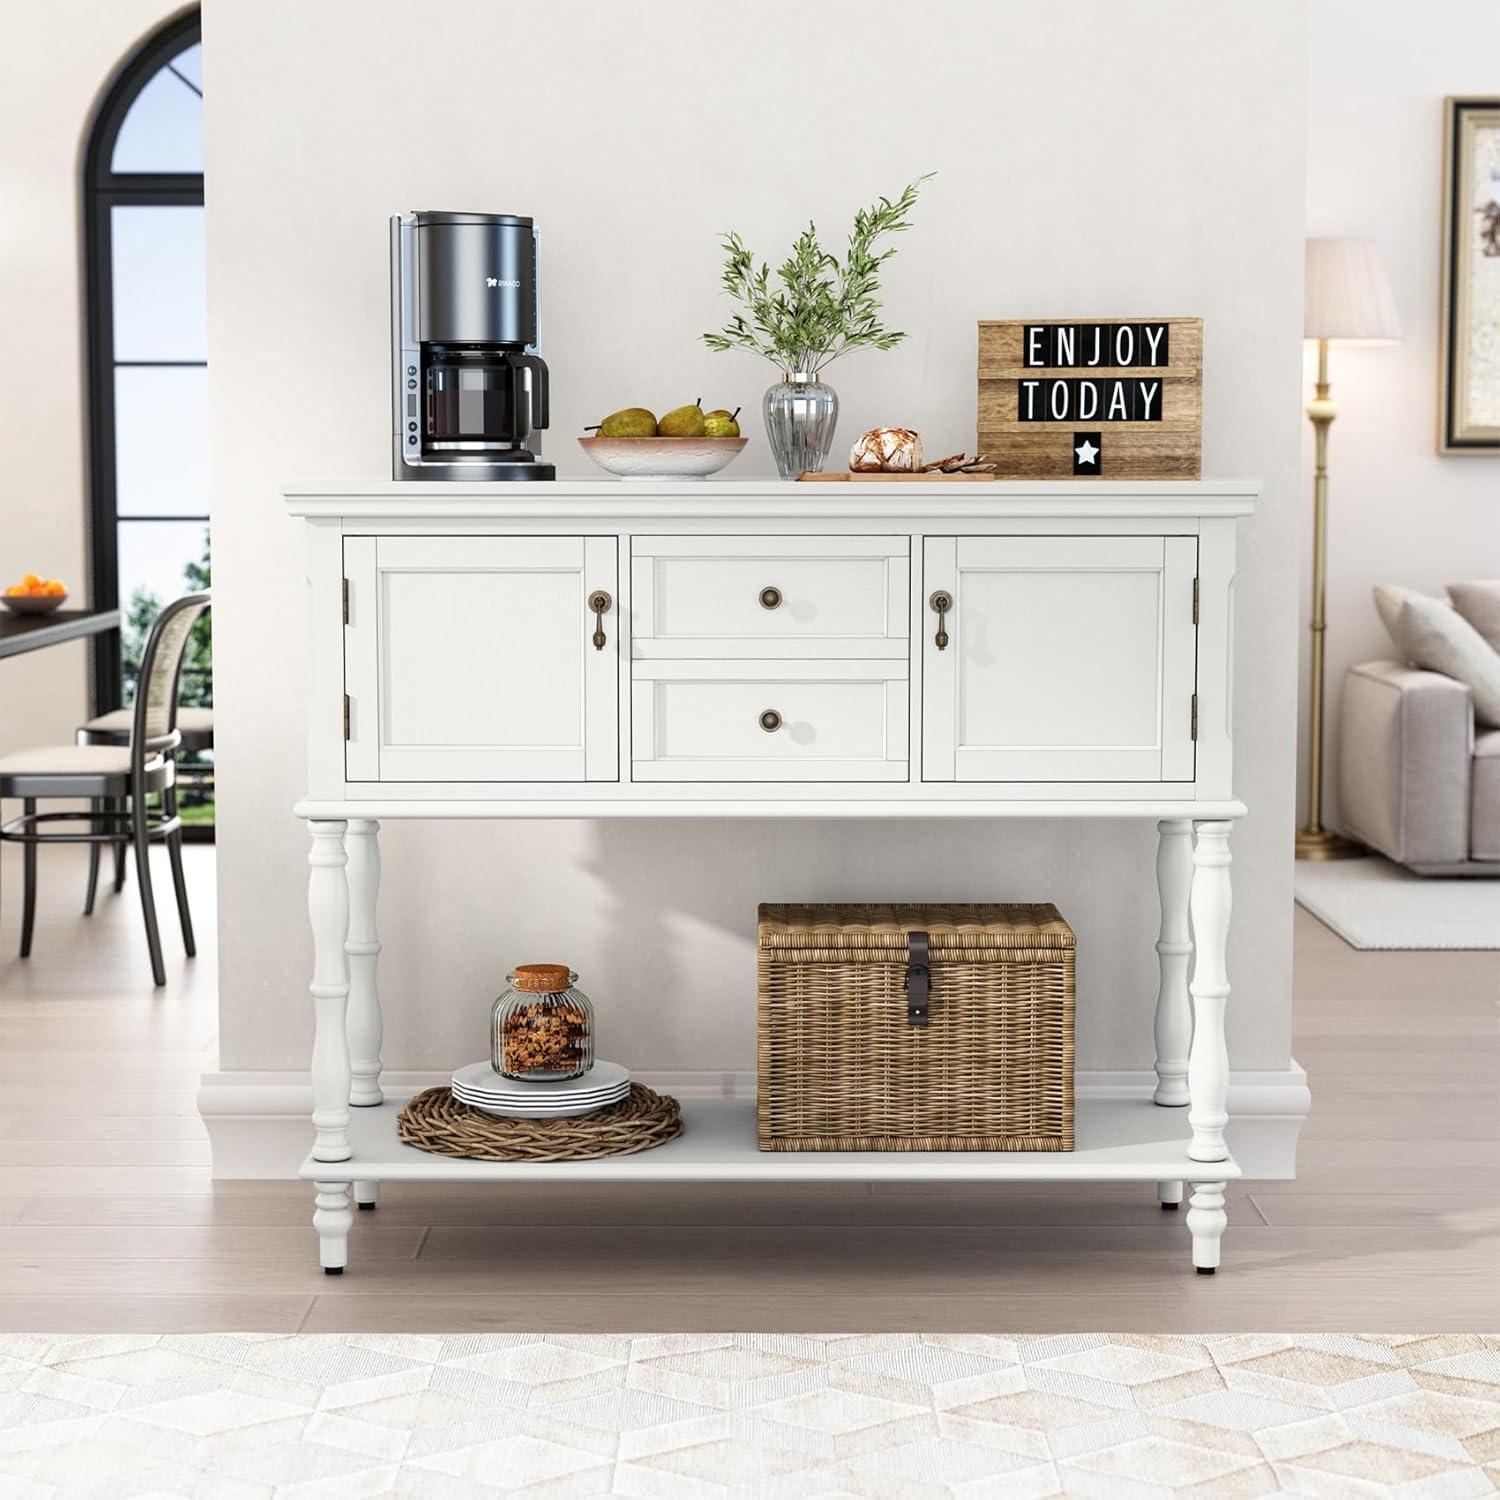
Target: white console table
759,649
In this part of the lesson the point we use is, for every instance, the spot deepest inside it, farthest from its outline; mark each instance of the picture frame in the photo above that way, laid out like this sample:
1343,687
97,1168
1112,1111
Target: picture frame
1469,397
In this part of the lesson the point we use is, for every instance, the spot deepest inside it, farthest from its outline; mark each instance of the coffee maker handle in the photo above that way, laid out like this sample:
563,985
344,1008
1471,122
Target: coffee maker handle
540,402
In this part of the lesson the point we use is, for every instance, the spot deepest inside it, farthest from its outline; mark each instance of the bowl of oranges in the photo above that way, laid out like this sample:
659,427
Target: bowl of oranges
34,595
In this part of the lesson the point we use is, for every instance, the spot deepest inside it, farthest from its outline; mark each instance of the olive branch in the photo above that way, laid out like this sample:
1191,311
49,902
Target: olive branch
819,307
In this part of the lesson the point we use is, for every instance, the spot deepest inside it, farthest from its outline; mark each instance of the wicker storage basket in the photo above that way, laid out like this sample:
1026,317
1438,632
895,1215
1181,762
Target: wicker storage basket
855,1056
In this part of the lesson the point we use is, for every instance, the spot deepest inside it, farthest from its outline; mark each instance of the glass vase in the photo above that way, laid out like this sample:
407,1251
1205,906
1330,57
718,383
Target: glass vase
801,413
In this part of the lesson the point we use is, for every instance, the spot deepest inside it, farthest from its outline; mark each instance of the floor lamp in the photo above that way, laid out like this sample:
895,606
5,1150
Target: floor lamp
1347,300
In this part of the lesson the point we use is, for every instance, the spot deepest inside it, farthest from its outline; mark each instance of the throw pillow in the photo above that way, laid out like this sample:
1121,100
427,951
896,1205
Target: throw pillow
1389,598
1432,636
1479,604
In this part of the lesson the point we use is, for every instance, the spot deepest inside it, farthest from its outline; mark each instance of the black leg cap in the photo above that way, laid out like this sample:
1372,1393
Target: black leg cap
333,1270
1170,1208
1205,1270
369,1206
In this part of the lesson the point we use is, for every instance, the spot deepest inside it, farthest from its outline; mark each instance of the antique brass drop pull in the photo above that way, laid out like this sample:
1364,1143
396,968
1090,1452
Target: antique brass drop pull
940,603
770,721
770,598
601,604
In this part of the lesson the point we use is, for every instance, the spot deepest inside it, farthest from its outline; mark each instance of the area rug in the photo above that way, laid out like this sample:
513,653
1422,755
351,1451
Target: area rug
260,1417
1372,903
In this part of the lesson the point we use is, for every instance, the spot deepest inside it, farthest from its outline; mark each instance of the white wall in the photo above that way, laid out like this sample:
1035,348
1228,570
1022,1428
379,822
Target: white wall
55,62
1094,160
1399,512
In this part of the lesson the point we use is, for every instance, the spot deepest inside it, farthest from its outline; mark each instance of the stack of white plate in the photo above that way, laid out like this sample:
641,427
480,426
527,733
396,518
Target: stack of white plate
481,1087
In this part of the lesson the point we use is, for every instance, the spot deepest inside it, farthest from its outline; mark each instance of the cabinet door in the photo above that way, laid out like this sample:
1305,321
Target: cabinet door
1068,659
471,658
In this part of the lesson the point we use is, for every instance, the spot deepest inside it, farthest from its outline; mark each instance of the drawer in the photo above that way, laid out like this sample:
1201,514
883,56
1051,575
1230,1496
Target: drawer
769,721
781,596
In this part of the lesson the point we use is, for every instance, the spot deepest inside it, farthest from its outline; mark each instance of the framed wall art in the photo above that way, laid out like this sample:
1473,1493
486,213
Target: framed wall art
1469,404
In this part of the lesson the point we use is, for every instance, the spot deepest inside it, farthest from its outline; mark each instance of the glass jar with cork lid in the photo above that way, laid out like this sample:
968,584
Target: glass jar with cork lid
542,1028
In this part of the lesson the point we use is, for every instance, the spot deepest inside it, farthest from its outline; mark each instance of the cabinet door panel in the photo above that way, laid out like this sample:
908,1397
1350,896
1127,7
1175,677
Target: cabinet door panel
1069,659
470,659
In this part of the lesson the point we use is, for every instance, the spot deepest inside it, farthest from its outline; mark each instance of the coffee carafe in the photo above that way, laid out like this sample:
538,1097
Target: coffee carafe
469,391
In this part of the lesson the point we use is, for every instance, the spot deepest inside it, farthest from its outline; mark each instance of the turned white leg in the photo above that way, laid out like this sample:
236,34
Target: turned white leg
332,1219
1174,947
1208,1058
367,1194
328,909
362,945
1169,1194
1205,1221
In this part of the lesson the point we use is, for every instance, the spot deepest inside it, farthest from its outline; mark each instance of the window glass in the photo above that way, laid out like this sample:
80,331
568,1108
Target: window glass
154,557
161,440
159,303
163,129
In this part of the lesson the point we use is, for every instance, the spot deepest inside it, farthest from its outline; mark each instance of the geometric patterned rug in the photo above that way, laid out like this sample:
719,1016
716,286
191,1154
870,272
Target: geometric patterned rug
891,1416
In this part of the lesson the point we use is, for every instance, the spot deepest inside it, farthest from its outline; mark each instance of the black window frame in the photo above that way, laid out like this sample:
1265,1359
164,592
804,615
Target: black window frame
104,189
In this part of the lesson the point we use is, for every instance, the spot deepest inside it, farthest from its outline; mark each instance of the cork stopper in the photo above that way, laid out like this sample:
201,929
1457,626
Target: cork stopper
542,979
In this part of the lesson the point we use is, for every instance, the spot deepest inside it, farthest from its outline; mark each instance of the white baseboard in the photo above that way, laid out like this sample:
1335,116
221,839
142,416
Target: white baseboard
259,1127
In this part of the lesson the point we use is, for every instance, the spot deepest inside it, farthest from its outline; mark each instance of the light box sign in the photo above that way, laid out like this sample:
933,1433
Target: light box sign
1067,399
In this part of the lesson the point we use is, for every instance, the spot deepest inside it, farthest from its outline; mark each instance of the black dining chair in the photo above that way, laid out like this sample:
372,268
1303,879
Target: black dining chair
196,727
117,780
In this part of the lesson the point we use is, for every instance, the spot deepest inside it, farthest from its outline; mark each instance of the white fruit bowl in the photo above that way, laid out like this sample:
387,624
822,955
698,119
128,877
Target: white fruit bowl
662,457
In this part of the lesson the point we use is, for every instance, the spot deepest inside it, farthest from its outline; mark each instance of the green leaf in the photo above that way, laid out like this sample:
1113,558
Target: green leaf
820,307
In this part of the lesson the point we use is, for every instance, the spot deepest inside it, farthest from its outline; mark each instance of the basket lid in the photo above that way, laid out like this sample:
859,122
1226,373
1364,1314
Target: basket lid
876,931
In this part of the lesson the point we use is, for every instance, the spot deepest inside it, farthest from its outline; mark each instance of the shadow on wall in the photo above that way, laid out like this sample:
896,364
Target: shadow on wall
658,917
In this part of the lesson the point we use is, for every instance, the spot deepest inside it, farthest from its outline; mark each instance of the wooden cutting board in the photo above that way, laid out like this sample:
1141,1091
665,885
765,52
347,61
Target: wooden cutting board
886,477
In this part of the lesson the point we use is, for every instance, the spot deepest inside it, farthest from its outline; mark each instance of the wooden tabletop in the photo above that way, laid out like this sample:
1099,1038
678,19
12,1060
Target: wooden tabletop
20,633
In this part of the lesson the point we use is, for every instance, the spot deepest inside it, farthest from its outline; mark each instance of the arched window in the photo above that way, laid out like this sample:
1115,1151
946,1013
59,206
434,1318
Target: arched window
147,355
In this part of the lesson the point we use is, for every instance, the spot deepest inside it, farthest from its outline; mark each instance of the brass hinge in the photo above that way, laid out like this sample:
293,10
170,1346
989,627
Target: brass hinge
1195,718
346,601
346,715
1195,601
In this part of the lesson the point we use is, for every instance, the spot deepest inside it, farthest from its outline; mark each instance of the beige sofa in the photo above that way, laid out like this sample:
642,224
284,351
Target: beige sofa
1417,780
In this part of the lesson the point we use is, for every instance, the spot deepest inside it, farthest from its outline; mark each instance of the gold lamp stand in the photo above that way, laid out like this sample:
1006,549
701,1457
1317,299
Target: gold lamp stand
1315,841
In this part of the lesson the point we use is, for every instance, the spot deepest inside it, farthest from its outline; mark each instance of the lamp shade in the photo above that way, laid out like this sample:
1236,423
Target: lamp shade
1346,295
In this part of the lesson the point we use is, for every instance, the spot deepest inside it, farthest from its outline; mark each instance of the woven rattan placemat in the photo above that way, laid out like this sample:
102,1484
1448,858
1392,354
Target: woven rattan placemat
435,1121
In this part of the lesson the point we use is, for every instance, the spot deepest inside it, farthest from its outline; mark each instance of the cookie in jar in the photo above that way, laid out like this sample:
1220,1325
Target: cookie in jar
542,1026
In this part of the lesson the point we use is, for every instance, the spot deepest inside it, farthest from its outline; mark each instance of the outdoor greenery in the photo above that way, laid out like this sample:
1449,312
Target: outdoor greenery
195,771
819,307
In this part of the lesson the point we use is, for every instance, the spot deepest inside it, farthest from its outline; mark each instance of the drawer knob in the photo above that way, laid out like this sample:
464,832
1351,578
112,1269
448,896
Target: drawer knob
770,721
940,603
770,598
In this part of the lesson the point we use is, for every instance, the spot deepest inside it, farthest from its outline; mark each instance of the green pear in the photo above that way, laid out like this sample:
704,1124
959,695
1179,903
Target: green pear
721,423
682,421
633,422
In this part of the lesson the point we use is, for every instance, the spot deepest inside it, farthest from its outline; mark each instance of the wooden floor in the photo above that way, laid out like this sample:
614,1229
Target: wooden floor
109,1220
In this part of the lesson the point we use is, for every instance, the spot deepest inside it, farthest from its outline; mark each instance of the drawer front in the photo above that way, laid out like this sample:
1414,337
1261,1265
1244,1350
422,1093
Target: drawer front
769,721
770,596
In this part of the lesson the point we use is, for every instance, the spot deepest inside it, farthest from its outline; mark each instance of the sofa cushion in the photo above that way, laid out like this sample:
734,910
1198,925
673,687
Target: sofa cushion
1435,637
1479,604
1484,814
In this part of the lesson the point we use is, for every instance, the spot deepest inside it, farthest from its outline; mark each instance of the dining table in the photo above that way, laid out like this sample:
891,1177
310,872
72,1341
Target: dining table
22,633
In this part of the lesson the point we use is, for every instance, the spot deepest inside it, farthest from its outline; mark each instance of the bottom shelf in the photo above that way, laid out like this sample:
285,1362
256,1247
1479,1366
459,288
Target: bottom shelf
1117,1140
